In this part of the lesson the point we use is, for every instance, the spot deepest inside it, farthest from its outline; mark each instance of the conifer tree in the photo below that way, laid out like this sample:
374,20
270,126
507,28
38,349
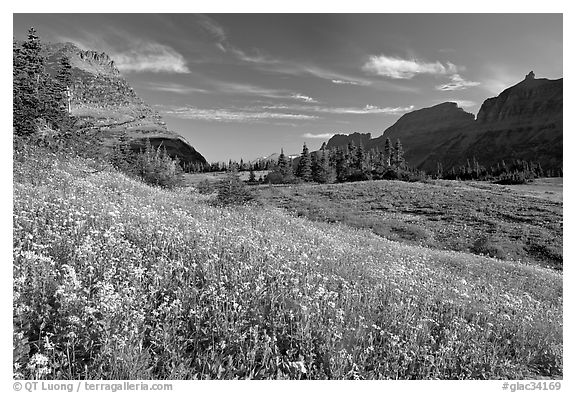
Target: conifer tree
283,165
252,176
398,155
388,152
304,170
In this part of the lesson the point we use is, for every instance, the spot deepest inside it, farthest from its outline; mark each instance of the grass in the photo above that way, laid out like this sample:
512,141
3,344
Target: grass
114,279
508,222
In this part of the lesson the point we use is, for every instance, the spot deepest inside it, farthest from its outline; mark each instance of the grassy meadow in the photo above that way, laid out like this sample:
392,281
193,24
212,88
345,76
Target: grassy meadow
514,223
114,279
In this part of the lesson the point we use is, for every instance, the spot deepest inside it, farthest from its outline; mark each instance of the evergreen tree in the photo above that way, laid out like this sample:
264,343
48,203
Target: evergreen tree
388,152
398,155
283,165
342,166
304,170
252,176
28,66
324,171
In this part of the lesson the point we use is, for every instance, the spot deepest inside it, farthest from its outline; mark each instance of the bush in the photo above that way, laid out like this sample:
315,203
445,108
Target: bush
157,168
205,187
485,246
276,177
232,191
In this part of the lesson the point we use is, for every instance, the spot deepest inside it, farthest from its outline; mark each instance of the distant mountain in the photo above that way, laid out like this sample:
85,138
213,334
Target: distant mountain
274,157
522,122
100,95
342,139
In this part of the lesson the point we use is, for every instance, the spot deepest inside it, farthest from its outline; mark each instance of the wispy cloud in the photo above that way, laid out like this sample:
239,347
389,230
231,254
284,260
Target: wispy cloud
248,89
213,28
341,82
368,109
173,88
151,57
267,63
302,97
457,83
131,54
318,136
398,68
463,103
231,115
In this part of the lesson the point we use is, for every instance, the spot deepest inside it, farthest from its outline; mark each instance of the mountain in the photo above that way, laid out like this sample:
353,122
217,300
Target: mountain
102,97
343,139
522,122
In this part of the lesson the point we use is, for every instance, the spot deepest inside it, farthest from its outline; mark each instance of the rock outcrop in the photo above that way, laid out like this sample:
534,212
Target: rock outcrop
342,139
522,122
101,97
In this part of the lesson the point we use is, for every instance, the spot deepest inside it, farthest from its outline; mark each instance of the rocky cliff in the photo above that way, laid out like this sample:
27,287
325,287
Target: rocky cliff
342,139
100,96
522,122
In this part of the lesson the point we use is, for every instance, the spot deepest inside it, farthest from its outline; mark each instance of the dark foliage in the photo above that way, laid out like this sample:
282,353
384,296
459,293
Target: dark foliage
39,100
232,191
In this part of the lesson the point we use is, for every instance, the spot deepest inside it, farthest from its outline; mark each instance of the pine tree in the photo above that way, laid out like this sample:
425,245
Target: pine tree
28,66
64,78
252,176
304,170
283,165
398,155
342,167
388,152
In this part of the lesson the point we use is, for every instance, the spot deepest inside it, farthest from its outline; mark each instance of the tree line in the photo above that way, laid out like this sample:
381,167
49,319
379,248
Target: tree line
39,99
345,164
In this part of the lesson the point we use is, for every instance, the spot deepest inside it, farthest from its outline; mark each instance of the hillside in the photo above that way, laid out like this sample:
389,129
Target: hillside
102,97
523,122
114,279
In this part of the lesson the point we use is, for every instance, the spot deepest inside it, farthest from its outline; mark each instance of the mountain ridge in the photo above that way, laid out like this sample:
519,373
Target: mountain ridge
523,122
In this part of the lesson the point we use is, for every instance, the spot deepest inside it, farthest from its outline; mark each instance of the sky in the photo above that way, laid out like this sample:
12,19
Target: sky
246,85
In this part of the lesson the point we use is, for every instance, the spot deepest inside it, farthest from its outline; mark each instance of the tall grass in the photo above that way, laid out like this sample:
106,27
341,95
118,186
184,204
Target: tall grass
114,279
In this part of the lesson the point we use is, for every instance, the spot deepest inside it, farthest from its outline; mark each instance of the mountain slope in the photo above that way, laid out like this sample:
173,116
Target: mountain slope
101,96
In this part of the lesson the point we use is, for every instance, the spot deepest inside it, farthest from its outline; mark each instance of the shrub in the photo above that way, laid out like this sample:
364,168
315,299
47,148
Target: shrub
205,187
232,191
157,168
485,246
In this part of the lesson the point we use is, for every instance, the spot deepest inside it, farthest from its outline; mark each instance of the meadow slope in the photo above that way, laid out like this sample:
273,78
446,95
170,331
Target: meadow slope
114,279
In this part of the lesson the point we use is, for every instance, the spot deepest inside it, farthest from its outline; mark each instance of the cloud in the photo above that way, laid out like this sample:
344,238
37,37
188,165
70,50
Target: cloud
247,89
231,115
457,83
368,109
398,68
318,136
173,88
212,27
269,63
151,57
131,54
463,103
304,98
341,82
371,109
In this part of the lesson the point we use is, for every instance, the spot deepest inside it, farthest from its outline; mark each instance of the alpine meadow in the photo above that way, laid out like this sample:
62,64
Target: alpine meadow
348,217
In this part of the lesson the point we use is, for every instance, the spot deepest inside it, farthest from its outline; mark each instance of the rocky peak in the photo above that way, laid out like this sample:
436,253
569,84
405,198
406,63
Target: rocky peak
426,120
342,139
532,100
100,61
